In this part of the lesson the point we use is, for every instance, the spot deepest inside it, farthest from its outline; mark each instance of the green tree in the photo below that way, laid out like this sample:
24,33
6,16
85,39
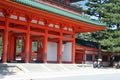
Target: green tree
110,13
107,11
94,6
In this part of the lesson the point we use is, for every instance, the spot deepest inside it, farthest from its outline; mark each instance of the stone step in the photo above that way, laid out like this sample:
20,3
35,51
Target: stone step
47,67
55,67
35,67
9,69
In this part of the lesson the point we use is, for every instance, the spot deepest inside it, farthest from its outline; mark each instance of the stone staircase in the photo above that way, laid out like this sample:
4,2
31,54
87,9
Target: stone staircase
9,69
34,67
37,67
55,67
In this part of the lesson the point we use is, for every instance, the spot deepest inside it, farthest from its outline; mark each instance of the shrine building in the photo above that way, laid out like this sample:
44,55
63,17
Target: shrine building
41,30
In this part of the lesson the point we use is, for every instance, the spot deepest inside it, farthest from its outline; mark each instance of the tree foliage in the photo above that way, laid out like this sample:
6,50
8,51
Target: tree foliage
94,6
107,11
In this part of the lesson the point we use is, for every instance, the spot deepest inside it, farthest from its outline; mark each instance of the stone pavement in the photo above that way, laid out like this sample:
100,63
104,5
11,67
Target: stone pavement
42,71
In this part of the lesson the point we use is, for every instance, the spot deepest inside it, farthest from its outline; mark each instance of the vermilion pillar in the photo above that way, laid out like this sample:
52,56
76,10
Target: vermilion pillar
5,40
58,51
84,55
45,43
23,48
59,55
27,43
11,47
30,55
39,50
73,49
93,56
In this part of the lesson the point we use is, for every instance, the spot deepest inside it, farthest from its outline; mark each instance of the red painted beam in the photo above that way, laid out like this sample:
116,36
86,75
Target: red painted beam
2,27
17,22
2,19
36,33
53,36
37,26
53,40
17,30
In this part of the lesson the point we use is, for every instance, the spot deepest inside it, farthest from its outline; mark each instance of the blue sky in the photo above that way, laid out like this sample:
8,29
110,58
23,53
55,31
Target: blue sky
83,3
85,7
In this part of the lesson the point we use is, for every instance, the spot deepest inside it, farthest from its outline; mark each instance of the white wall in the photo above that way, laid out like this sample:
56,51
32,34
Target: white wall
89,52
52,51
67,53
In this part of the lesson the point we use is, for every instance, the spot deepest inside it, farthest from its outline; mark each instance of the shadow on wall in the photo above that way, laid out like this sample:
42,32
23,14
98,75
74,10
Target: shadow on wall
6,70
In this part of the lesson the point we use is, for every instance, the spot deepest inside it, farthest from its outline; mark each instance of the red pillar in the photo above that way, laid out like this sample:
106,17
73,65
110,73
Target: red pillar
5,40
13,57
73,49
59,55
45,42
39,50
15,40
93,56
11,46
84,55
30,56
27,42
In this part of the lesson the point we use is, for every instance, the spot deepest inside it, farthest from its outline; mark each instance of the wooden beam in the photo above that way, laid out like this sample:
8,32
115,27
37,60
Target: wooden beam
2,27
37,26
54,36
36,33
53,40
17,30
18,22
2,19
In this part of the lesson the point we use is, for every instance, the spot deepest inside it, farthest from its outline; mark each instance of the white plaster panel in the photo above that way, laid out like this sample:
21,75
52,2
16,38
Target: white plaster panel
67,53
89,52
52,51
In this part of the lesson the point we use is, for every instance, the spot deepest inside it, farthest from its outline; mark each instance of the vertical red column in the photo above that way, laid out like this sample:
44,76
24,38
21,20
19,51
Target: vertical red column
39,50
30,56
45,43
11,46
85,55
59,55
93,56
73,49
13,53
23,49
27,41
15,40
5,39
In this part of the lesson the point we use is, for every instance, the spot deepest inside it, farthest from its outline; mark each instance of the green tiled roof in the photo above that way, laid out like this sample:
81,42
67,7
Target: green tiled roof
82,42
33,3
